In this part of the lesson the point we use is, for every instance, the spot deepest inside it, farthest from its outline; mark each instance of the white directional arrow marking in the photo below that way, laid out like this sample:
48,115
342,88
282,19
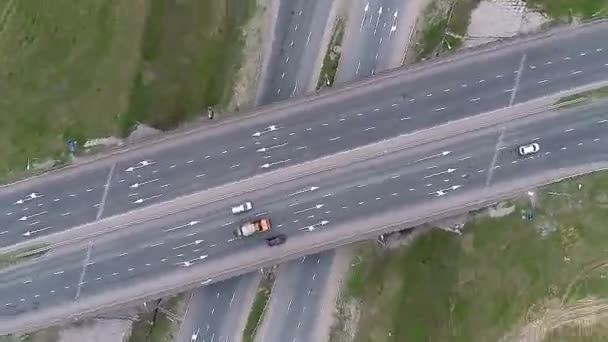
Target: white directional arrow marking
141,164
440,173
442,154
267,165
318,206
445,191
25,218
196,242
32,232
189,262
29,197
142,200
189,224
270,128
314,226
264,149
394,26
365,9
378,21
137,185
312,188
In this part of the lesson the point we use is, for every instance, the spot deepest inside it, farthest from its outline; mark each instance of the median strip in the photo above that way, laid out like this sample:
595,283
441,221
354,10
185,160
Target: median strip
258,309
332,57
21,255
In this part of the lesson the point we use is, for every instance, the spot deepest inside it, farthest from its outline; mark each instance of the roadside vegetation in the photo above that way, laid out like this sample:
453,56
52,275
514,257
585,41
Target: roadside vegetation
22,255
444,25
595,94
90,69
258,309
568,10
332,56
160,324
504,279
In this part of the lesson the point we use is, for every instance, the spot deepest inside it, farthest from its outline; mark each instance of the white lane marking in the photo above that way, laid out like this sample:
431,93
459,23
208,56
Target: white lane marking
582,54
514,162
376,109
446,90
395,176
412,100
522,62
190,161
394,105
334,139
575,72
157,244
481,81
569,130
464,85
474,99
602,121
85,264
104,196
207,157
548,63
596,139
429,94
499,76
598,50
172,166
542,81
369,129
395,194
567,58
200,175
580,144
235,166
464,158
123,254
495,156
89,190
439,109
405,118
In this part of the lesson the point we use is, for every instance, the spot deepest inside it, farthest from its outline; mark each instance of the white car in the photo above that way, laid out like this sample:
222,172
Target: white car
241,208
194,337
524,150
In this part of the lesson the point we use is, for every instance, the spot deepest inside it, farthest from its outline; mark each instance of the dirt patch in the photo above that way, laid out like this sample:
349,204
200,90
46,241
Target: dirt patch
502,209
248,76
496,19
97,330
582,313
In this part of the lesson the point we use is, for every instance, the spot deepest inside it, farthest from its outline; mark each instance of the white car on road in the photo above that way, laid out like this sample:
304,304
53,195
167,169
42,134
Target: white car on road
241,208
525,150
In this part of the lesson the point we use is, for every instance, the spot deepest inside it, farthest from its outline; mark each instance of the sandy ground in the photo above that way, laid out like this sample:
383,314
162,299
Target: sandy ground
257,33
98,330
339,269
582,313
495,19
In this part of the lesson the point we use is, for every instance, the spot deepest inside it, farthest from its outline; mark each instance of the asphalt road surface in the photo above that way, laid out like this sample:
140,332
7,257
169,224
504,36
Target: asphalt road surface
297,39
299,28
472,85
371,48
424,174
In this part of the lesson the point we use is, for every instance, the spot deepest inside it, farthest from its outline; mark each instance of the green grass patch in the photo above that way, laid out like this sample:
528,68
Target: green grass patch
191,54
22,255
256,315
67,72
587,96
566,9
332,57
446,27
156,326
501,274
95,68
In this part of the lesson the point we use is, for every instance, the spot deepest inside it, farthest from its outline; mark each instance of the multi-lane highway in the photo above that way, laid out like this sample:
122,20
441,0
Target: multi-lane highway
296,45
395,104
426,174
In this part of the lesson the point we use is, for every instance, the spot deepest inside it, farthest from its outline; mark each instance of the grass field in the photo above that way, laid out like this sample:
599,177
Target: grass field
332,57
446,22
156,326
561,9
503,278
94,68
258,308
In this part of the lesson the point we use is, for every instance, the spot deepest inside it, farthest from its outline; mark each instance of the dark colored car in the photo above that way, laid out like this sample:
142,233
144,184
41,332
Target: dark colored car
276,240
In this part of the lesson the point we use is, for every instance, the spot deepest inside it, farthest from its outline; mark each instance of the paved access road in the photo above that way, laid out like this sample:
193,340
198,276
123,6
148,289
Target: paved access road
371,47
297,43
147,252
402,104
